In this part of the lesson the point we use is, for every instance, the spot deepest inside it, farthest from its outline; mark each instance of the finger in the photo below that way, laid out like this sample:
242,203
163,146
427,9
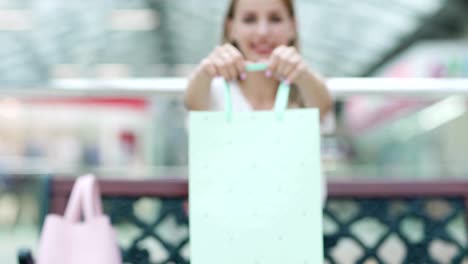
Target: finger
230,67
284,62
238,60
209,68
228,61
292,62
220,67
274,61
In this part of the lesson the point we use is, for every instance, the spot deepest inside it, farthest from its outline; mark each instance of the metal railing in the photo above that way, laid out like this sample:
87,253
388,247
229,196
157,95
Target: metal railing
339,87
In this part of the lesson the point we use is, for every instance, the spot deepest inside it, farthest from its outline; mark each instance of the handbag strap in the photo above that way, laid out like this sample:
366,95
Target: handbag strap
73,209
84,198
282,95
92,204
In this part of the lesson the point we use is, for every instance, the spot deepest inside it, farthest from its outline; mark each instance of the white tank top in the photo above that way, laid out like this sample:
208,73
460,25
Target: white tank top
239,102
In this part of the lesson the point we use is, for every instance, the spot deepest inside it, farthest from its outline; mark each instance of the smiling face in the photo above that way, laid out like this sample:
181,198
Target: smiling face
259,26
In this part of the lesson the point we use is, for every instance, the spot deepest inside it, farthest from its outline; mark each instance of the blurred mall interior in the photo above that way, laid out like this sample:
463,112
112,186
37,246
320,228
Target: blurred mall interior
61,60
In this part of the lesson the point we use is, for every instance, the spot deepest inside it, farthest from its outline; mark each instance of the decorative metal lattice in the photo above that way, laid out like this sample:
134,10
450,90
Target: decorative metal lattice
395,231
155,230
151,230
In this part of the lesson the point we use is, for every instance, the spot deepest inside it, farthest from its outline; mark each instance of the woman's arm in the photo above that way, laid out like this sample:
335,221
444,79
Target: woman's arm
197,94
225,61
287,63
314,92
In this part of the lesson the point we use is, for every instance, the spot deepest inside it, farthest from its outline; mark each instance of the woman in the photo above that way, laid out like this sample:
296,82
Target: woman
257,31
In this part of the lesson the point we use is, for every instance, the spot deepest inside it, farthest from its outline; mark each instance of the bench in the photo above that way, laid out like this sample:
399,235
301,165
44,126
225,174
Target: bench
364,222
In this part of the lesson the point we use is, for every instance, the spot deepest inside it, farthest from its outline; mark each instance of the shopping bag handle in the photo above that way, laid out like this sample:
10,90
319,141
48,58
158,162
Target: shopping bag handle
84,199
282,96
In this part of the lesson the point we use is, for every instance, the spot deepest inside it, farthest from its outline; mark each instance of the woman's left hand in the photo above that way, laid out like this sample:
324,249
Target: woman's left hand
287,64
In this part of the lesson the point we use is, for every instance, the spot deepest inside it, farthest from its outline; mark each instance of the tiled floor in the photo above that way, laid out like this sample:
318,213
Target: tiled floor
13,239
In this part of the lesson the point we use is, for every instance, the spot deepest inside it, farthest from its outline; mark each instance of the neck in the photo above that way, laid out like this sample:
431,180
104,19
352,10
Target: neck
259,90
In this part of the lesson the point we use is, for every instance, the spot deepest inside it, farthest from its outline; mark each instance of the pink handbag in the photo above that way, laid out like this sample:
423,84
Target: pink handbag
68,240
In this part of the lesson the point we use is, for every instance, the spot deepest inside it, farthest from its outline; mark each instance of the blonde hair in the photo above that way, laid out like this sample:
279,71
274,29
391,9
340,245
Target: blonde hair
289,4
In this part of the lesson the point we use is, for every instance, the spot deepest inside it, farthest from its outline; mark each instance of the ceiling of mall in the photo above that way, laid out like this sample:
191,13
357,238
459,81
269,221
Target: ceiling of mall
44,39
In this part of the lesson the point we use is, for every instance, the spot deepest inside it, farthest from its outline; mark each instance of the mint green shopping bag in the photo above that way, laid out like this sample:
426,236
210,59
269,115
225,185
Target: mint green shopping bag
255,186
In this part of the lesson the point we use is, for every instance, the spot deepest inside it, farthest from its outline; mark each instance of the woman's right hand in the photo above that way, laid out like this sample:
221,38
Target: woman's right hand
224,61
